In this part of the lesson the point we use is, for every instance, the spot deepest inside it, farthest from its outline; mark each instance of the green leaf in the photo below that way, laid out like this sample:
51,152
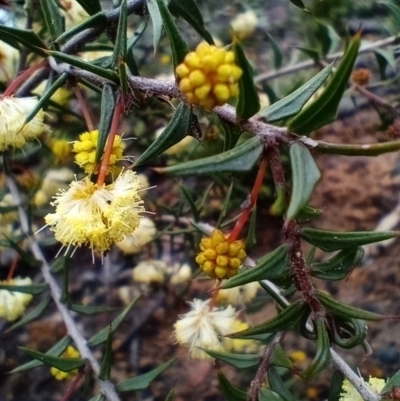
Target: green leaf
94,21
225,205
98,397
106,116
393,381
143,381
177,129
56,350
179,47
63,364
324,109
251,240
328,38
339,266
394,9
279,207
105,368
300,4
90,6
102,335
53,19
91,309
349,333
346,311
33,289
25,256
156,21
323,355
59,82
192,204
293,103
248,102
60,264
279,358
138,34
313,53
266,394
335,389
120,48
189,11
305,175
268,267
330,241
278,386
276,51
384,58
26,38
170,395
237,360
231,393
284,320
33,314
240,158
91,67
232,134
308,213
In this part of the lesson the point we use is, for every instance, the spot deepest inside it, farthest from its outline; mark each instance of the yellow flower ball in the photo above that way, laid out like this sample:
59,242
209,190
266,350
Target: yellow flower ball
219,258
69,353
208,76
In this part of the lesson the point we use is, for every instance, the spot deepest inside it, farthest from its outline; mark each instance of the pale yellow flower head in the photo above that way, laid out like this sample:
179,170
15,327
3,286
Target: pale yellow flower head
74,13
134,243
202,328
12,303
8,61
238,295
70,353
60,96
13,113
11,216
61,150
86,147
97,215
349,393
241,345
245,24
150,271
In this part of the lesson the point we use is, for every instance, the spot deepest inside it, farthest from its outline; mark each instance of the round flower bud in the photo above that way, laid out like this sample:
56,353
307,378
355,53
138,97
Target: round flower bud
205,73
218,258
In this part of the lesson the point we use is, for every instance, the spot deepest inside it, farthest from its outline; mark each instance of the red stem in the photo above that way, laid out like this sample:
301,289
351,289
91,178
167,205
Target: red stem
12,268
14,85
84,108
110,142
253,198
73,386
214,297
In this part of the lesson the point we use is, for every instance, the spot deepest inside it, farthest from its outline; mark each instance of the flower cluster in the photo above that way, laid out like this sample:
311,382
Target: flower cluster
202,328
14,303
13,130
209,76
69,353
349,393
86,147
61,150
219,258
97,215
238,295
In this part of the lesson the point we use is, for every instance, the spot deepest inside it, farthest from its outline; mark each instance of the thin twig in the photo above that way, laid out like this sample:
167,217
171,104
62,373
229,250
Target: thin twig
330,57
359,384
107,388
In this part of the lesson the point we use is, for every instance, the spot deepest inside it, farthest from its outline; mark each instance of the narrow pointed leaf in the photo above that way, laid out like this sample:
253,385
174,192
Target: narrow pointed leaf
179,47
91,67
192,204
324,109
266,394
26,38
251,240
300,4
248,102
385,58
91,6
171,395
53,19
25,256
231,393
105,368
330,241
393,381
276,51
339,266
33,314
33,289
232,134
64,364
177,129
346,311
335,388
90,309
278,386
58,83
293,103
138,34
189,11
143,381
323,355
394,9
60,264
305,175
269,267
56,350
240,361
106,116
94,21
240,158
156,21
279,358
328,38
308,213
102,335
121,41
284,320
